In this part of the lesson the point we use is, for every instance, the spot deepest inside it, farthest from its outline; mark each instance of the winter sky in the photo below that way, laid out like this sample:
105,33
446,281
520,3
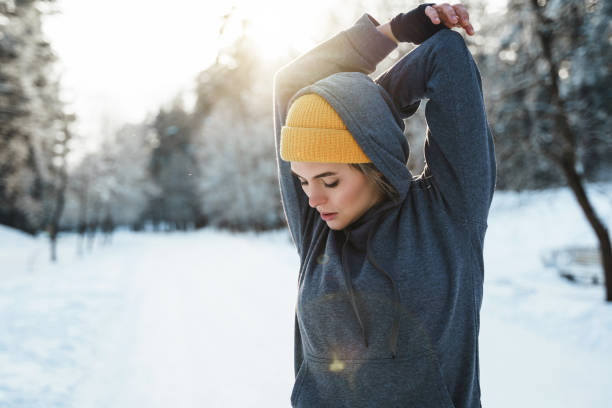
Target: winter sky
122,59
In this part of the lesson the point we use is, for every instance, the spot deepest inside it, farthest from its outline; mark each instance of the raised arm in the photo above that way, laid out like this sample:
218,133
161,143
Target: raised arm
459,148
359,48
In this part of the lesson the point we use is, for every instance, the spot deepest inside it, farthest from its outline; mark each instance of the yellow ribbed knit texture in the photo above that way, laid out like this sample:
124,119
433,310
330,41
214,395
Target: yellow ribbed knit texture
314,132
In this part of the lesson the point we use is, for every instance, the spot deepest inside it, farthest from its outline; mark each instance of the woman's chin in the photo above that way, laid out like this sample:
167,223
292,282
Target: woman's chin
335,224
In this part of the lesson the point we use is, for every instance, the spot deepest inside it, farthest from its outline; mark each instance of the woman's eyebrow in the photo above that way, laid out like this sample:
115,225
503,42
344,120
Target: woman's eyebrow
326,174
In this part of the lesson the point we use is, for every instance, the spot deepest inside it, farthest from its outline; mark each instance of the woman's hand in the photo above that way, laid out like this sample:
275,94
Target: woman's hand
454,15
422,22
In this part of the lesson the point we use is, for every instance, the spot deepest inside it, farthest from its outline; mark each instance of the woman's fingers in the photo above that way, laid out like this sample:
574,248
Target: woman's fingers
432,14
447,14
442,12
464,18
469,29
452,16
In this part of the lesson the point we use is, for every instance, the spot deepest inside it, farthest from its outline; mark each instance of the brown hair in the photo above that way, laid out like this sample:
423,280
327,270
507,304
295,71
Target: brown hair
375,176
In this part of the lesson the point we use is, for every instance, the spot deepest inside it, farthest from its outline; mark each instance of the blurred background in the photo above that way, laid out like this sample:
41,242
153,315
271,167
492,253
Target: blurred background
144,256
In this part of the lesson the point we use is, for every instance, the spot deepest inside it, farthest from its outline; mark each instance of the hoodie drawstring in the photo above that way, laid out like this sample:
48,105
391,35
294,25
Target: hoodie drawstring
396,296
349,284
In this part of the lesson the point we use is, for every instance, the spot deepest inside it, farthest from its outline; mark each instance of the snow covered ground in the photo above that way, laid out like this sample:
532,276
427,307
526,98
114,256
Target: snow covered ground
205,319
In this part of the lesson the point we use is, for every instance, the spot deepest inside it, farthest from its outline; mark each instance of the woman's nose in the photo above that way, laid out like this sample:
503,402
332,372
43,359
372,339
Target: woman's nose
316,198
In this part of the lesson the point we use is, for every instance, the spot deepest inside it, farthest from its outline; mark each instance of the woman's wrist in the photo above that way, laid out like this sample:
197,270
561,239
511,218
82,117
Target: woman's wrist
386,30
414,26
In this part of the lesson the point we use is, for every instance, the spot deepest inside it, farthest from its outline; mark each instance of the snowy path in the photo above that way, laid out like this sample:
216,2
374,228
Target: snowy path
521,368
208,327
155,320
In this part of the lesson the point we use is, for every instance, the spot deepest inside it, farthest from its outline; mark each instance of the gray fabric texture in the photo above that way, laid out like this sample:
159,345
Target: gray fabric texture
387,312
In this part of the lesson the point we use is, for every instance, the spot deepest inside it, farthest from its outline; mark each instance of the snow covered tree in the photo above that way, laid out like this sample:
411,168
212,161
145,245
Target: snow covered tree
554,80
131,187
112,183
235,148
238,184
30,118
59,182
174,170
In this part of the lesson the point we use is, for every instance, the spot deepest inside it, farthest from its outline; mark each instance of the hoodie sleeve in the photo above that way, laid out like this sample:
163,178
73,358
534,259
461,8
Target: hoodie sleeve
459,149
358,48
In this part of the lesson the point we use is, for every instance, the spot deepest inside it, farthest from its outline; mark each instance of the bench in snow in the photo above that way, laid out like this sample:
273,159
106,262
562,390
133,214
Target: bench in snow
576,264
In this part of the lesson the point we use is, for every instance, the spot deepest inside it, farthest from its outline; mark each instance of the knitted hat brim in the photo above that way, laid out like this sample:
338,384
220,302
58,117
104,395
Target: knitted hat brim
320,145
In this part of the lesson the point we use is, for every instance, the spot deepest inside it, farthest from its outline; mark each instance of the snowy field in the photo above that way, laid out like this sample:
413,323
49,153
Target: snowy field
205,319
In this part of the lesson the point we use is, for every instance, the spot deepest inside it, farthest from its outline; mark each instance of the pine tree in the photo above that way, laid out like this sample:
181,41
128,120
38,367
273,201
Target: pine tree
30,118
174,170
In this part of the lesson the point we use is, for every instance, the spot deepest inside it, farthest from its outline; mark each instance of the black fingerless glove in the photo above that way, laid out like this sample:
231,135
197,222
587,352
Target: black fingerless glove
414,26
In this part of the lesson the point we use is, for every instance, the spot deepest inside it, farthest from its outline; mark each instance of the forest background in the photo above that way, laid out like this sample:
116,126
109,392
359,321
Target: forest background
205,156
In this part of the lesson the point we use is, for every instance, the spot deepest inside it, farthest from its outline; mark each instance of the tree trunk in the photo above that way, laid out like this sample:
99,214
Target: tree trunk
566,159
60,199
53,242
601,231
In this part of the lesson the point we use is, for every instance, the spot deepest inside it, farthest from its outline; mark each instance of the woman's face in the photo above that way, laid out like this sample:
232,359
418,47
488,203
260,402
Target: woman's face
336,189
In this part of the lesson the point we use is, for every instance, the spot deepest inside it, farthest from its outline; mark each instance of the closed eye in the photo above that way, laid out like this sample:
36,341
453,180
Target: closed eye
332,185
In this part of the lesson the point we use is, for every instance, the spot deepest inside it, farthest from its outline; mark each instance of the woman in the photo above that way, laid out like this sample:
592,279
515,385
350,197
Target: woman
391,266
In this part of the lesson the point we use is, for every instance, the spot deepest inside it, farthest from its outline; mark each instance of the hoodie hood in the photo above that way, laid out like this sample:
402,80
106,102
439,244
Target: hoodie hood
370,116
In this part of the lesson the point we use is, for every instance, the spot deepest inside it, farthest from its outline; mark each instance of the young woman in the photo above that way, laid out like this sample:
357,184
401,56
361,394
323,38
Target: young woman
391,266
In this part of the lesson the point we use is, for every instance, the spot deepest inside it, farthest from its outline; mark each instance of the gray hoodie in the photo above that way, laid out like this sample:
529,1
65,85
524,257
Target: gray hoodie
387,313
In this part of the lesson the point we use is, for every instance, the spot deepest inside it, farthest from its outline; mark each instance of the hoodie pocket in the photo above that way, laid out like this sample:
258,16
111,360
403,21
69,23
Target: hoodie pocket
415,382
299,380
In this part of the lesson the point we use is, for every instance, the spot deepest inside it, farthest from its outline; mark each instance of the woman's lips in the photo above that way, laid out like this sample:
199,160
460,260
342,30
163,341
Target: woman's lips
328,216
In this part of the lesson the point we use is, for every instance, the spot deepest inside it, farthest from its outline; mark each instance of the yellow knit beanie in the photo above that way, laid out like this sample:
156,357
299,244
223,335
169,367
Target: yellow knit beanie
314,132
